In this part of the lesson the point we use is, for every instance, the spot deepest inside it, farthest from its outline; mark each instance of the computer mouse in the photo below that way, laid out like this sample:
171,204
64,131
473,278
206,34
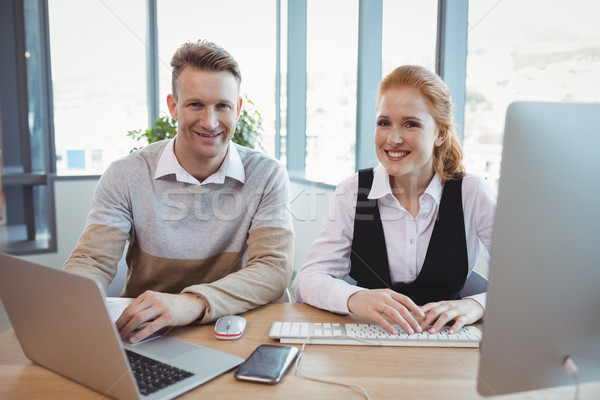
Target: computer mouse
230,327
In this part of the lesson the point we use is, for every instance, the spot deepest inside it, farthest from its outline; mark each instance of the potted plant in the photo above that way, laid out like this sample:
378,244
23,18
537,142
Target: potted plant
248,130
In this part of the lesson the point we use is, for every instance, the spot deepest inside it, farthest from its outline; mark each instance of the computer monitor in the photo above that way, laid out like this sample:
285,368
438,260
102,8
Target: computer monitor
544,283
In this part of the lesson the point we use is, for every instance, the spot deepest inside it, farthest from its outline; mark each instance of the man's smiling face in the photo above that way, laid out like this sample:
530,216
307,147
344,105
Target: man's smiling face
206,106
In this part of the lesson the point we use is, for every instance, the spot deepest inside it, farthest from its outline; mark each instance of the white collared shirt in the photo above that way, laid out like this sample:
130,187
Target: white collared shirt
232,167
320,281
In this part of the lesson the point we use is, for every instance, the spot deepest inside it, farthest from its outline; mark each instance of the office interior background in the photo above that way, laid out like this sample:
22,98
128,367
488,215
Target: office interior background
78,75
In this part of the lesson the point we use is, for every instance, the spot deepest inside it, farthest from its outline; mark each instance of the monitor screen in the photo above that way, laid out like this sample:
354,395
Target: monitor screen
544,283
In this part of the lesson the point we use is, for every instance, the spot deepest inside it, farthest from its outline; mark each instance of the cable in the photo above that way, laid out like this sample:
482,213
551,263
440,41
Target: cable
349,385
572,370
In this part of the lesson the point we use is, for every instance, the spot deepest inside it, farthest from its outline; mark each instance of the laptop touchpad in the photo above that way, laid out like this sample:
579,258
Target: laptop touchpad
164,347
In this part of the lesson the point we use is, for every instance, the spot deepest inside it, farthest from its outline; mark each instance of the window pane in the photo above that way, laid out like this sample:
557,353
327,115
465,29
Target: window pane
37,117
98,52
515,55
14,222
245,28
25,218
25,226
409,33
332,51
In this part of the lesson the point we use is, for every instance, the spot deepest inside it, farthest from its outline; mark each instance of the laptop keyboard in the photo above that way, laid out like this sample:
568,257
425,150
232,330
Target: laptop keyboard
152,375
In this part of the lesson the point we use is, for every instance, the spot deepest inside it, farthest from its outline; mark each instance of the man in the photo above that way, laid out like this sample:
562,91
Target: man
192,208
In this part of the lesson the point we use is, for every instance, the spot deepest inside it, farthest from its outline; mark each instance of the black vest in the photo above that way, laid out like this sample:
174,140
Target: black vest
445,267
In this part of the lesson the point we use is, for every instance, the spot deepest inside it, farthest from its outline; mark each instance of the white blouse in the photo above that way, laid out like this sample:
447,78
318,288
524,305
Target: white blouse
320,282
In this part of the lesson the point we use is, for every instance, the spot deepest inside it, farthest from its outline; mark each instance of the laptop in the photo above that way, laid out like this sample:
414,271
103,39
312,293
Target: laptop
62,323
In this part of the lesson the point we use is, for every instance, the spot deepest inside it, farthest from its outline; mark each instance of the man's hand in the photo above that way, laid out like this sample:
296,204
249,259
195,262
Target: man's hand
376,303
158,310
462,312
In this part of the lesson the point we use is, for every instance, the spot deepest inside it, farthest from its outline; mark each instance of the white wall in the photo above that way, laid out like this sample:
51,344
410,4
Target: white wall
308,207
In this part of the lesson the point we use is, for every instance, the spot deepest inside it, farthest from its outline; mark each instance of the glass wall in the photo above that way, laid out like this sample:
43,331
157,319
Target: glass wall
331,71
98,52
246,29
99,86
551,55
408,37
409,33
26,158
99,73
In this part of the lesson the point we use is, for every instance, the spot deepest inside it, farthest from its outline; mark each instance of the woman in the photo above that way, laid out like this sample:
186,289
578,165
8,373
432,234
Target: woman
407,231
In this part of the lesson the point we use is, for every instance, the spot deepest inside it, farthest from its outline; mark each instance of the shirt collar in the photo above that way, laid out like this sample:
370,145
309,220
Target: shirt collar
231,167
381,186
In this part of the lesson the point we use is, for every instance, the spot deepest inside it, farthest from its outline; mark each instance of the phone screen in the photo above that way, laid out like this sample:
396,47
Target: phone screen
267,363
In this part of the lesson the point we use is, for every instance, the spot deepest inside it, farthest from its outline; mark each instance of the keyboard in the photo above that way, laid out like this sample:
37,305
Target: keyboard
370,334
152,375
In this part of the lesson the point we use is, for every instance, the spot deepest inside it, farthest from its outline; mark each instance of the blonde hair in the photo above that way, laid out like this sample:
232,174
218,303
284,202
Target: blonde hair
447,158
204,56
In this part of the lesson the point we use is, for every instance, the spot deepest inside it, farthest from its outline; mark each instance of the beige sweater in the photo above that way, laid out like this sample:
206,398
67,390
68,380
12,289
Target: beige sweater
229,242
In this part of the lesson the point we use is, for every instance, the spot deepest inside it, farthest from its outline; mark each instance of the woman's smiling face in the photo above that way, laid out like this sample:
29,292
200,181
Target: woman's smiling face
406,134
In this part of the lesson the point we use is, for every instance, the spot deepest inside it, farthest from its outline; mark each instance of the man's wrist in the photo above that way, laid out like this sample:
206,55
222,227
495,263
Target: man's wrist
203,304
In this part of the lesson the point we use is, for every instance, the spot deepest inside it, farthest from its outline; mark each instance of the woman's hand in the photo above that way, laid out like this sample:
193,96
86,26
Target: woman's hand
377,303
462,312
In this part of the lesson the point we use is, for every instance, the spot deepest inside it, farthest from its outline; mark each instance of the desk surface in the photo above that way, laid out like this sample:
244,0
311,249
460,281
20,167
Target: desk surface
385,372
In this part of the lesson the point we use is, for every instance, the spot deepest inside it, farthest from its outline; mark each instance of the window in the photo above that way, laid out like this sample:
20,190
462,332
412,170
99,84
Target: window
99,80
516,56
331,89
247,30
27,219
303,63
409,33
408,36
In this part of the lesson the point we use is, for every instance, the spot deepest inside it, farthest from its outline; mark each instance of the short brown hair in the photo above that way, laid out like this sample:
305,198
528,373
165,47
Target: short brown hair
204,56
447,158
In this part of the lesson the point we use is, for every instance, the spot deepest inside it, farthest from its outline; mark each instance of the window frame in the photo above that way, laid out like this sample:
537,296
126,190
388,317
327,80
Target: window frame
450,64
20,171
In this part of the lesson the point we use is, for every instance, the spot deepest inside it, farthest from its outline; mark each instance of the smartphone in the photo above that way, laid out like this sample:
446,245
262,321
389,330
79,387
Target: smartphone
266,364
